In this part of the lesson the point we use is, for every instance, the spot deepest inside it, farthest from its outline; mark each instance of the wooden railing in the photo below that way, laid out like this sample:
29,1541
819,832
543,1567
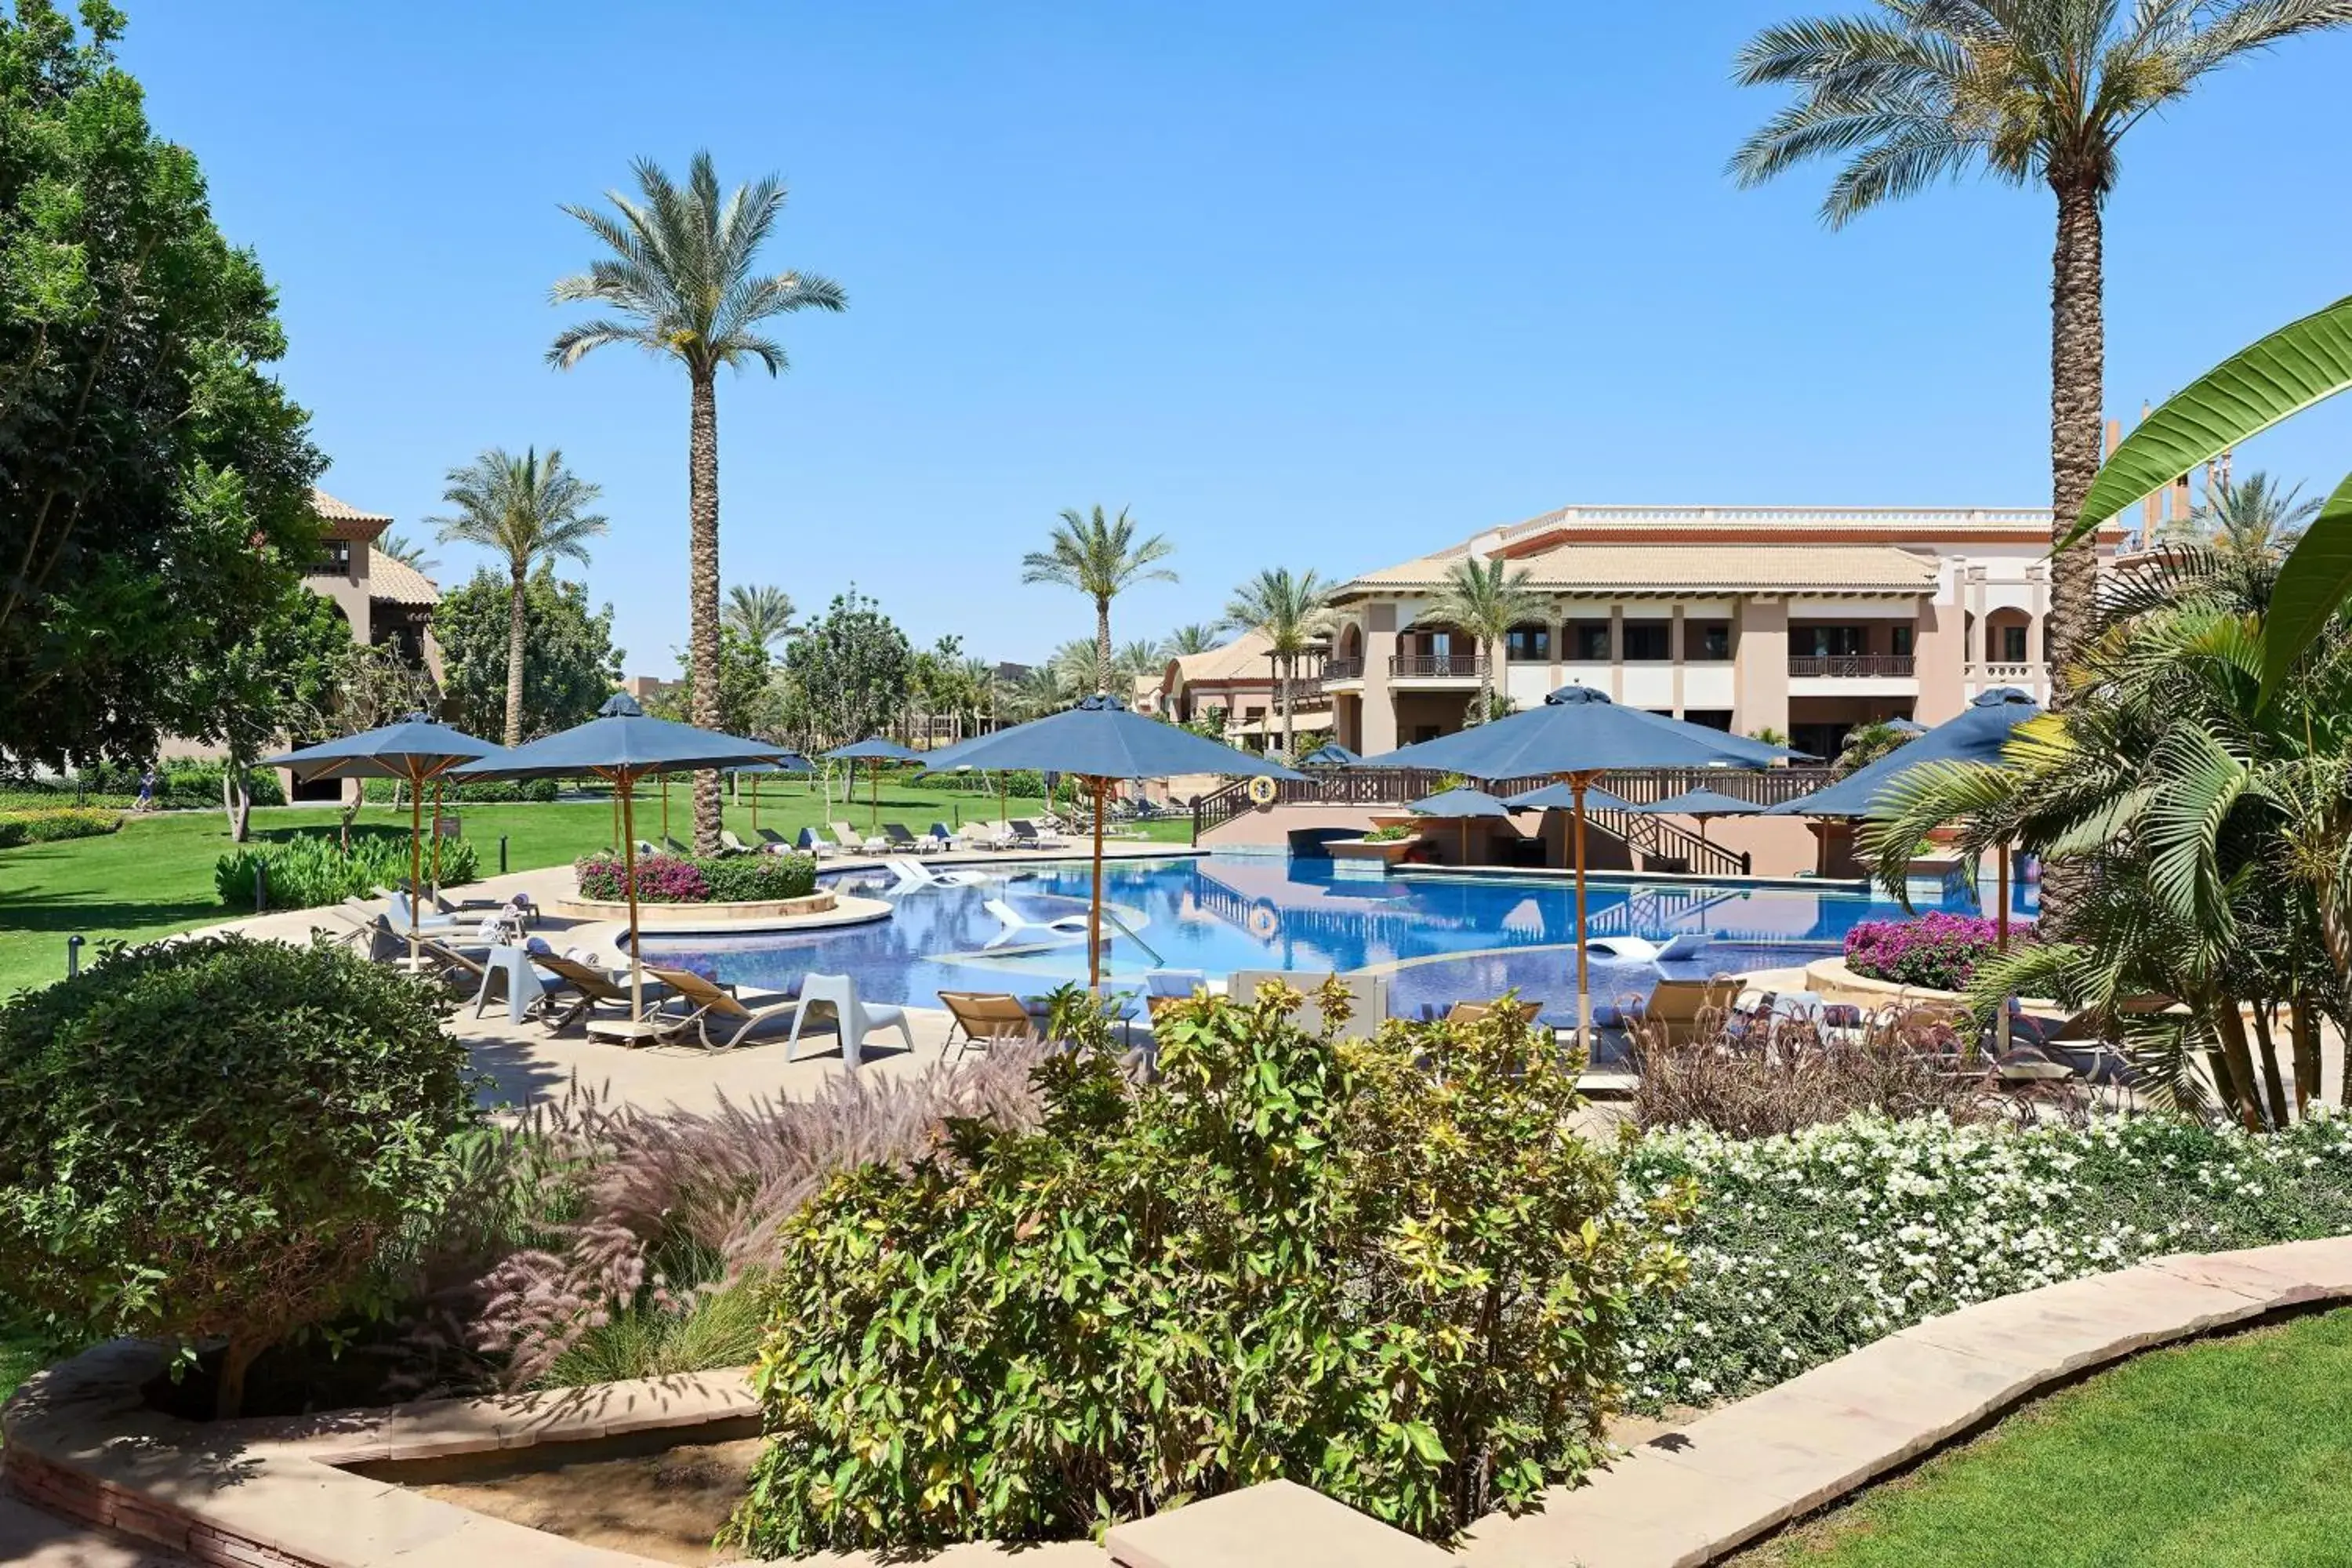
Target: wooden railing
1850,665
1437,665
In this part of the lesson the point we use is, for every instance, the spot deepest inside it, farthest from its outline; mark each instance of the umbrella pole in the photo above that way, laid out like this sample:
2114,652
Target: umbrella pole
1583,971
629,881
1093,909
664,779
436,839
416,861
755,805
1466,841
615,803
873,794
2000,891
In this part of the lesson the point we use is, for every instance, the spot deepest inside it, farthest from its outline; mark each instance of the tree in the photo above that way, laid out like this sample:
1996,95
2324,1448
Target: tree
1101,558
530,512
569,663
2254,518
1198,638
744,681
154,478
764,614
850,671
283,683
1290,612
408,553
1484,600
1916,91
681,277
1866,743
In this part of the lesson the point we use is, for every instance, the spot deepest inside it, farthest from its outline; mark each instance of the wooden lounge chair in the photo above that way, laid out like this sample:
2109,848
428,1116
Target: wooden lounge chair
986,1019
589,989
1478,1011
702,998
856,843
732,845
1676,1011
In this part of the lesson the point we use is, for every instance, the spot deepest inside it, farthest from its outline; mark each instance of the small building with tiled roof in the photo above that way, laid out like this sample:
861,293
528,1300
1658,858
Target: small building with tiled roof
385,599
1807,621
1238,681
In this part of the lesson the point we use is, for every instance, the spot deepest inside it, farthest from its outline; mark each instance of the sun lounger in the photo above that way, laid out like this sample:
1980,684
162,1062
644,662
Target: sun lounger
1674,1011
849,839
773,842
855,1019
397,907
1027,834
940,839
696,1000
987,1019
1478,1011
732,845
1015,923
812,843
987,835
587,987
912,874
900,837
1368,997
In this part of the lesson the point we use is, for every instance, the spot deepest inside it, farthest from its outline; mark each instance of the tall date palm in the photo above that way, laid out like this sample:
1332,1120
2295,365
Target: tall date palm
1101,558
1484,600
531,511
763,614
682,280
1911,93
1290,611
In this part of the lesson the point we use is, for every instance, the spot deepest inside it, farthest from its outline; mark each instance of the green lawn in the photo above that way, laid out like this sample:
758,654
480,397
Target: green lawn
2229,1452
20,1357
155,876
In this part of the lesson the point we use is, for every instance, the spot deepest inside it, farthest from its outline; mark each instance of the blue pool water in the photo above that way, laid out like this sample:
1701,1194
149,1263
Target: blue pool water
1440,938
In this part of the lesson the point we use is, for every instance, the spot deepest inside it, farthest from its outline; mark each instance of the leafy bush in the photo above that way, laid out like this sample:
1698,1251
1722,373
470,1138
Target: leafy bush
697,879
490,791
1388,833
213,1137
1938,951
1290,1256
308,869
183,785
1806,1247
1024,785
1781,1075
56,823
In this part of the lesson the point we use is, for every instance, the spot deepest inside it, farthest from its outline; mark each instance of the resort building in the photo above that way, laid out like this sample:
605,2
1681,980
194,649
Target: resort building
1237,681
385,600
1807,621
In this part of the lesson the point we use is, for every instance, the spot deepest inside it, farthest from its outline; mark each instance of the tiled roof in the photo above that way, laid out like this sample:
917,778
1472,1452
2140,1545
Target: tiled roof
1687,568
1242,658
342,520
398,581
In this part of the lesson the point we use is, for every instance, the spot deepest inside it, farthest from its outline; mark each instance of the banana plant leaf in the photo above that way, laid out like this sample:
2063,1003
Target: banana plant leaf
2302,364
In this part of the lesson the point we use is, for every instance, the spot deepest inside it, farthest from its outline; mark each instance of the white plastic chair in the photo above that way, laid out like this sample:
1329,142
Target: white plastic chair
855,1019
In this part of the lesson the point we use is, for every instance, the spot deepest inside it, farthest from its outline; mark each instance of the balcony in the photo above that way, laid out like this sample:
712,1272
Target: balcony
1436,666
1336,670
1852,666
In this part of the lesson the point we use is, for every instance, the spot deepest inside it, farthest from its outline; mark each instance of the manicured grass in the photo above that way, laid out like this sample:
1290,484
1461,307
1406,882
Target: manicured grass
2229,1452
155,876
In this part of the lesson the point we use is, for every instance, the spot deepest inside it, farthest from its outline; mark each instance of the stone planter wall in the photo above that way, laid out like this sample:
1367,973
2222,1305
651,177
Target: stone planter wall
655,916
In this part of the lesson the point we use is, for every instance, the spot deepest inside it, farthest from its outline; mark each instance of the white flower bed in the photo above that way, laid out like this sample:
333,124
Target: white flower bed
1806,1247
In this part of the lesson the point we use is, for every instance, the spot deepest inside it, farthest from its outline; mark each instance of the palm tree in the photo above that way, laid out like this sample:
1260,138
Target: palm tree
1101,558
1290,612
1484,600
763,613
2254,519
408,553
528,511
681,278
1198,638
1913,92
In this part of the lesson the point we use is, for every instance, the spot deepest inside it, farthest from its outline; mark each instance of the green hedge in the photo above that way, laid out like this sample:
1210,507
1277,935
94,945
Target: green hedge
184,786
497,792
50,823
311,869
1029,784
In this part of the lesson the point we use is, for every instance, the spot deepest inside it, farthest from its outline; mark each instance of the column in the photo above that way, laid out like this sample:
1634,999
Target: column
1616,653
1760,657
1674,652
1379,723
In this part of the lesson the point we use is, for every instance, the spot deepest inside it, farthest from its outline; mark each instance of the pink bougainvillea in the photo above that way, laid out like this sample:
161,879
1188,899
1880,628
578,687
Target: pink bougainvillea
1939,951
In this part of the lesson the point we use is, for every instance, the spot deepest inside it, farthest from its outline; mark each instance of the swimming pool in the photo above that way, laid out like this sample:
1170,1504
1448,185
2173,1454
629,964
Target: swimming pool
1438,937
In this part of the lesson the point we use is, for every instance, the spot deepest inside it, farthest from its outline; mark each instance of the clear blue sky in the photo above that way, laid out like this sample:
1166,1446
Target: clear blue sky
1315,285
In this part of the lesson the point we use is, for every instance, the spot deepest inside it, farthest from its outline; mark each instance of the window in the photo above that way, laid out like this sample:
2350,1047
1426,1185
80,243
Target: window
1707,641
1900,640
333,559
1713,718
2013,644
1828,642
1648,642
1527,644
1587,641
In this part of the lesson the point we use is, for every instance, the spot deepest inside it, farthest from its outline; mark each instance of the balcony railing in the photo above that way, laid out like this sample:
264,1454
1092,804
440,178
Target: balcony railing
1999,669
1851,665
1437,665
1343,670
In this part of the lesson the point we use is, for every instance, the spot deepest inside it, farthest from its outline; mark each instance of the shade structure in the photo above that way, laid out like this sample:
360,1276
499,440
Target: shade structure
874,751
1700,803
622,744
1978,735
1102,742
1576,734
415,750
1463,805
1331,754
790,762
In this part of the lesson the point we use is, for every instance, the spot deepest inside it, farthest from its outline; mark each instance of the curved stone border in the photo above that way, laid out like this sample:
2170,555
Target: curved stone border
1691,1495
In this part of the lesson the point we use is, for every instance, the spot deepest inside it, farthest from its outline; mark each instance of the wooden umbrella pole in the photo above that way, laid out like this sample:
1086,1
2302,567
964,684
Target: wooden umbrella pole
436,837
1093,909
416,861
664,779
1576,782
755,805
616,822
873,794
621,782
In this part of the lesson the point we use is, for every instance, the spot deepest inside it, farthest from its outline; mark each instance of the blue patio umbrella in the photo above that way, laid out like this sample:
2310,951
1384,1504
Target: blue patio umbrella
1100,741
789,762
874,751
1978,735
1576,734
1562,797
414,749
622,745
1463,805
1331,754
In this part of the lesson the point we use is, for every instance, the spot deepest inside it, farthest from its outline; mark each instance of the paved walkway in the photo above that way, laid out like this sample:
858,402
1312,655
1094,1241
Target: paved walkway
31,1538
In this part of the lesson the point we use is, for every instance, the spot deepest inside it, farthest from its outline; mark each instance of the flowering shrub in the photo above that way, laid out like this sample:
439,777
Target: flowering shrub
1805,1247
48,824
699,880
1938,951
